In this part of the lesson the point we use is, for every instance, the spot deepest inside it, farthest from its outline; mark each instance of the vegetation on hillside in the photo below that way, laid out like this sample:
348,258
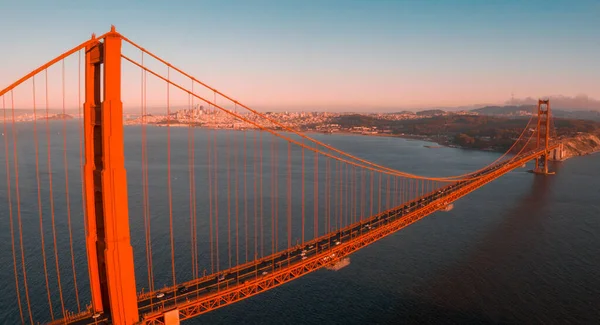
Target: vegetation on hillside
472,131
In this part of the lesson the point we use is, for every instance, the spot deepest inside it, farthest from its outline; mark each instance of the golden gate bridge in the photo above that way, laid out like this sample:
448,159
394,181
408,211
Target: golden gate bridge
270,205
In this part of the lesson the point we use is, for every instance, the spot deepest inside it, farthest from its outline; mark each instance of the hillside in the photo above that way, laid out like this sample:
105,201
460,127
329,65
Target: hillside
59,117
529,109
430,112
581,144
504,110
585,115
470,131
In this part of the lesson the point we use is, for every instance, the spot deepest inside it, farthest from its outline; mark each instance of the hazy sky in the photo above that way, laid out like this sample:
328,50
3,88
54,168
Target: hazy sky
335,54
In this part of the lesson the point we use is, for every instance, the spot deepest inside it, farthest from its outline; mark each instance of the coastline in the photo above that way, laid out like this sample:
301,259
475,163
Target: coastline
580,145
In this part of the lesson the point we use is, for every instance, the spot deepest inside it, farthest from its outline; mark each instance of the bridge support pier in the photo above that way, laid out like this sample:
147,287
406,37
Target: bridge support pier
172,317
110,256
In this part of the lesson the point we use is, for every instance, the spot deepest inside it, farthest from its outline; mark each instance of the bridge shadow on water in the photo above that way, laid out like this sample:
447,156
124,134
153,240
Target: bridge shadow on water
453,297
418,311
373,305
488,286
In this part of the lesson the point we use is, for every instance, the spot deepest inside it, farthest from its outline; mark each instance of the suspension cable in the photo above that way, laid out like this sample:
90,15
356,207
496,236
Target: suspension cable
286,128
362,163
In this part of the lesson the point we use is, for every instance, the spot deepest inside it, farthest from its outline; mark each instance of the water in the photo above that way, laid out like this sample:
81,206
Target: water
523,249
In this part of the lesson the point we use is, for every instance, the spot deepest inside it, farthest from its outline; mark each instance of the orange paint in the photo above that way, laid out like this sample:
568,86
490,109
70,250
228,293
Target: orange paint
243,290
543,136
109,250
90,108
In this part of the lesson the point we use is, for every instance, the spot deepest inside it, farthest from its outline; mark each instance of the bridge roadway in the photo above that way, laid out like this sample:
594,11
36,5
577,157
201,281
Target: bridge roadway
220,289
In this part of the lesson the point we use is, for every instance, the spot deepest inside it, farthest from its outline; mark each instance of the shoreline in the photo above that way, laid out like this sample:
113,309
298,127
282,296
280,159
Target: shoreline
579,145
438,144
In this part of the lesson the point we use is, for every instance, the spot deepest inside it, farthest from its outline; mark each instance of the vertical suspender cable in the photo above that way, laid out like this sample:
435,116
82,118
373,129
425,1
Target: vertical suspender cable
143,167
289,195
66,163
147,181
347,213
195,218
352,194
255,195
260,179
191,182
276,196
316,196
371,192
10,212
273,194
80,126
62,303
210,199
39,202
343,194
379,194
216,196
387,195
328,190
171,236
228,157
340,173
18,197
237,207
302,190
363,192
245,153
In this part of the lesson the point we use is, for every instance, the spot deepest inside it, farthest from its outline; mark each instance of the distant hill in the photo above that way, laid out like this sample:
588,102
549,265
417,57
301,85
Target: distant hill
469,131
59,117
522,109
565,103
42,111
430,112
584,115
504,110
404,112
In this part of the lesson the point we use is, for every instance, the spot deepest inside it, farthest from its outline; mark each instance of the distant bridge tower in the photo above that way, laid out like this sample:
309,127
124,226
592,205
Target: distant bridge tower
110,256
543,136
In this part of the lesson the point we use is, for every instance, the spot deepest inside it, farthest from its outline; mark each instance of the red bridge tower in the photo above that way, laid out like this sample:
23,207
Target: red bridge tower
110,256
543,136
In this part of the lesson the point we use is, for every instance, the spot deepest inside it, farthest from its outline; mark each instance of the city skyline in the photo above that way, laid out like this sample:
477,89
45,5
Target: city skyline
339,55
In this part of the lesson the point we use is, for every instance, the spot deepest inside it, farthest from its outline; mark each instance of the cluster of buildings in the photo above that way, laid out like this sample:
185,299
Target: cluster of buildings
31,117
218,119
307,121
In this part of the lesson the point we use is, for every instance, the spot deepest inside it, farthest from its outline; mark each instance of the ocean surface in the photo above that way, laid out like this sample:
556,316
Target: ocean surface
524,249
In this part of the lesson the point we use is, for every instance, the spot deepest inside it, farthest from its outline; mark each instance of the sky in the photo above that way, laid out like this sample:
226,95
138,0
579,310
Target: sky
334,55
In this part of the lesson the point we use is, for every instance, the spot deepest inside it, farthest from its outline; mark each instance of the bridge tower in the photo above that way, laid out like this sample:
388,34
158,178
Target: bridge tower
109,251
543,136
